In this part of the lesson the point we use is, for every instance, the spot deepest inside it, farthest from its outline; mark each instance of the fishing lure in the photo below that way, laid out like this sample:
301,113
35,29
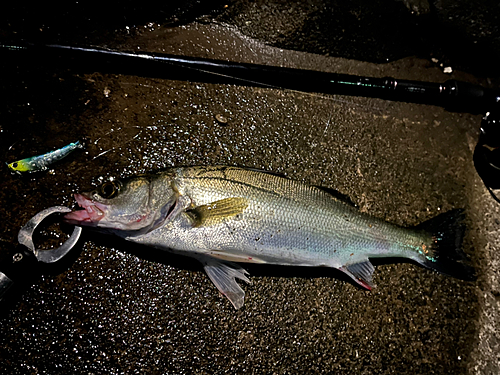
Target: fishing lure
42,162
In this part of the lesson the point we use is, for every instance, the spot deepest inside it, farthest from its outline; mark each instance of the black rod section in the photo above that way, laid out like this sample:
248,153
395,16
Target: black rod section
455,95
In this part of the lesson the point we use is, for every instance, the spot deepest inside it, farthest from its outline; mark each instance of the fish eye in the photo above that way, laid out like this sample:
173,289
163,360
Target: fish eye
109,189
14,165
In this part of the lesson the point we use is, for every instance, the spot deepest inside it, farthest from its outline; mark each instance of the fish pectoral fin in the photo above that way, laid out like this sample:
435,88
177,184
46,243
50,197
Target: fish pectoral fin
361,272
215,212
223,275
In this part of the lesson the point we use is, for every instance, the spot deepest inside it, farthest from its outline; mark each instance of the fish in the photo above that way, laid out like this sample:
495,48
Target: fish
223,216
42,162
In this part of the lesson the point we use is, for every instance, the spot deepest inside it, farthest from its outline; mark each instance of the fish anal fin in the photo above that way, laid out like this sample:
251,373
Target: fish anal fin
361,272
224,276
216,212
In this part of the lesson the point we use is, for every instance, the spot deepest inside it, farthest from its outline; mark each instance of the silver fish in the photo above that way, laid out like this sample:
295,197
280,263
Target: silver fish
221,215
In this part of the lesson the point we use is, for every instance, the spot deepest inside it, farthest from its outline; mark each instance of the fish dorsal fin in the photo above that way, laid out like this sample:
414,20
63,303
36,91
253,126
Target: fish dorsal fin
215,212
337,195
224,275
361,273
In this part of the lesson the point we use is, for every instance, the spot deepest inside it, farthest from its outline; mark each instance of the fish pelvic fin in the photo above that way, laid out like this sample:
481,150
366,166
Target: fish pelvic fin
224,275
216,212
361,273
446,255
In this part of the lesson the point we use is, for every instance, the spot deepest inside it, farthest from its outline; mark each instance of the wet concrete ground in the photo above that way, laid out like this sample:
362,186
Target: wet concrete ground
115,308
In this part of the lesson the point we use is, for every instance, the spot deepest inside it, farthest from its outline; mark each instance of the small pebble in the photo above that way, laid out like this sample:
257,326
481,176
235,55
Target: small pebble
221,119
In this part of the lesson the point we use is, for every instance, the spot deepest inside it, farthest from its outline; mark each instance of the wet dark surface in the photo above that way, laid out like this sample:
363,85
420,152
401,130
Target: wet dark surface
461,34
457,33
116,308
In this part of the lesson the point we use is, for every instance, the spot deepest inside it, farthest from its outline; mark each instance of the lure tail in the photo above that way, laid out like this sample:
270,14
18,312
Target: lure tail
448,231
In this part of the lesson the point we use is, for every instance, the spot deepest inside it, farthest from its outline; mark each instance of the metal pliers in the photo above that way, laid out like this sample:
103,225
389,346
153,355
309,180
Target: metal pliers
21,261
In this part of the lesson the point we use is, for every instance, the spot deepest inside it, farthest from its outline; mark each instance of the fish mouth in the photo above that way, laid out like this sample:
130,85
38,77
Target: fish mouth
92,212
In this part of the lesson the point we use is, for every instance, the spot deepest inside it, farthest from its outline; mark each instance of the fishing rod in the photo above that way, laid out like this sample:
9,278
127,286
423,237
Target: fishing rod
452,94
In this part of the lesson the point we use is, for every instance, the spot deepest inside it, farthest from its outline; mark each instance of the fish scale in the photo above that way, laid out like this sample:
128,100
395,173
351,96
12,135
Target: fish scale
302,218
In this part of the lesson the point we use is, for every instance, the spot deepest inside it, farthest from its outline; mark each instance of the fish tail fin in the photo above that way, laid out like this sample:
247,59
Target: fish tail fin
446,254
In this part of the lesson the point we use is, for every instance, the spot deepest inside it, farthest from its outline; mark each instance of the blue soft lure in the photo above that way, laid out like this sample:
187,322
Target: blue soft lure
42,162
